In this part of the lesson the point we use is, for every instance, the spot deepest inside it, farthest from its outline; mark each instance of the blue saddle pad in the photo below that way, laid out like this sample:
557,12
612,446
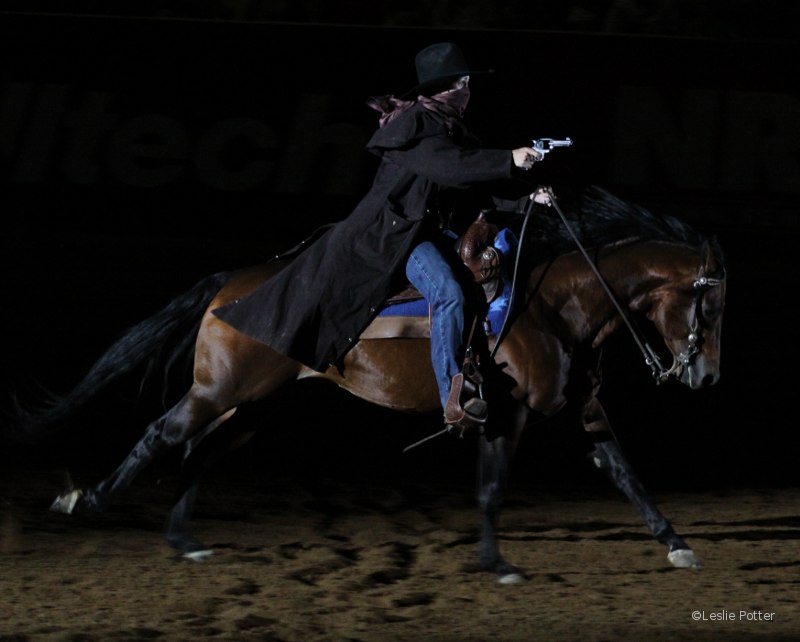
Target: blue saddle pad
506,242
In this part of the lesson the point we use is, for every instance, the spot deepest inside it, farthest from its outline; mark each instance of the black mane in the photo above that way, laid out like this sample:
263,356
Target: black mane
600,218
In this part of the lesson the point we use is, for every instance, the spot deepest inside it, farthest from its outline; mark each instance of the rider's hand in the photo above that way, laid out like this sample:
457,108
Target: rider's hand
525,157
542,196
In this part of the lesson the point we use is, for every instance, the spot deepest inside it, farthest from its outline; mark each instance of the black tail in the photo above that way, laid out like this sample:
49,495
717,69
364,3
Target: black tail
142,343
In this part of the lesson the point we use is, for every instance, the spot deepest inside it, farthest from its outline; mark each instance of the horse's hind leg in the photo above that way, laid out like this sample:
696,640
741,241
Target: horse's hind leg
177,425
608,457
202,452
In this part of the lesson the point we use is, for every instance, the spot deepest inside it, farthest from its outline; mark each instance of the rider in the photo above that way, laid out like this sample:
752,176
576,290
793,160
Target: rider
314,309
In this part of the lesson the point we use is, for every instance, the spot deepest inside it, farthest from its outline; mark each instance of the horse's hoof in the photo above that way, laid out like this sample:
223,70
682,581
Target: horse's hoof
508,574
189,548
198,556
684,558
66,503
511,579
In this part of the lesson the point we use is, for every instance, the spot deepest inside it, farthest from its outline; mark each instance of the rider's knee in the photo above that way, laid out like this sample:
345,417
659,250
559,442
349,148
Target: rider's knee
451,295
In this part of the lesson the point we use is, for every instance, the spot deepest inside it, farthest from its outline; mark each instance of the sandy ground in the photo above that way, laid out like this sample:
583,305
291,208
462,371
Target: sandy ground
333,560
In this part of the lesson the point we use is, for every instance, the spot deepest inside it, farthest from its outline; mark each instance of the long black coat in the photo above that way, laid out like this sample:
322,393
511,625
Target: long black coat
315,308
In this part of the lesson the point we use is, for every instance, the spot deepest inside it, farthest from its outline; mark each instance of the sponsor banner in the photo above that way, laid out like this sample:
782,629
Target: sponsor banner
172,123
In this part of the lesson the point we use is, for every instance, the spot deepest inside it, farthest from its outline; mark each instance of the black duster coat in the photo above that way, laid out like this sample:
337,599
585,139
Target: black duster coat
314,309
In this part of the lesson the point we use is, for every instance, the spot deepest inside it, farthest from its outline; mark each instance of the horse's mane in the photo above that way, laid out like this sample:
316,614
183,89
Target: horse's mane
600,218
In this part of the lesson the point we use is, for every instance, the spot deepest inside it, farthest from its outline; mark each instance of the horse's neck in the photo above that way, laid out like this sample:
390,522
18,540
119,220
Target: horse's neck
632,271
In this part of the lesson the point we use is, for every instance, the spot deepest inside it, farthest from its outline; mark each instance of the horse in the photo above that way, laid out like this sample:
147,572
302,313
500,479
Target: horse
654,270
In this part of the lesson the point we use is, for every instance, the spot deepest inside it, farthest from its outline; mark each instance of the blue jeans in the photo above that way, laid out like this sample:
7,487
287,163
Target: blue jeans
428,271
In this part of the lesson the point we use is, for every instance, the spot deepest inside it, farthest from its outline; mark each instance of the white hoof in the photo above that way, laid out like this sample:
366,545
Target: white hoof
199,556
684,558
511,578
66,503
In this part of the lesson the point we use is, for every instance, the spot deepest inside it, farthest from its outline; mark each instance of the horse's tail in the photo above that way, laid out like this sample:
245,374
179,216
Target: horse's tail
143,343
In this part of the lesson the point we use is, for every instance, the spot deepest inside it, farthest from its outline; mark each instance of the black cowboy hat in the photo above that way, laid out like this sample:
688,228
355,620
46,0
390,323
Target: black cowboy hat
439,64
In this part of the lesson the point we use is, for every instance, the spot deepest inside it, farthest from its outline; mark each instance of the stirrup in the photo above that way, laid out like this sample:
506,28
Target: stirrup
473,412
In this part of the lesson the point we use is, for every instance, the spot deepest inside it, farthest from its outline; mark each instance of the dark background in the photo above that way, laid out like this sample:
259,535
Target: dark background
140,153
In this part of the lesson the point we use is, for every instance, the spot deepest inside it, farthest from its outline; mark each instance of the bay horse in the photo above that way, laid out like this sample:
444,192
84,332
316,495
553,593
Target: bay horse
655,270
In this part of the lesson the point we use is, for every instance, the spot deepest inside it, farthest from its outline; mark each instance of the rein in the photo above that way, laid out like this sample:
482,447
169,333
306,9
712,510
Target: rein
650,356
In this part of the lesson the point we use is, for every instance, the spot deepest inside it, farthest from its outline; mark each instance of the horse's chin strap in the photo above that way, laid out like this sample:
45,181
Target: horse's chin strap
660,373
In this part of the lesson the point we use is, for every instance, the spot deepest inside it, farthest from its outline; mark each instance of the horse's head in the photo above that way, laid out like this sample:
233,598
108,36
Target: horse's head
687,312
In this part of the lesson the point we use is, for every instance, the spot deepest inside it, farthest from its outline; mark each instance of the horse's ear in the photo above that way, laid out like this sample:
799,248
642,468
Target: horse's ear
713,262
708,256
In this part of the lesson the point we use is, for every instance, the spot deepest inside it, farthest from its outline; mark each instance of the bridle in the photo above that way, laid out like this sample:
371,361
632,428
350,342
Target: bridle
701,284
681,360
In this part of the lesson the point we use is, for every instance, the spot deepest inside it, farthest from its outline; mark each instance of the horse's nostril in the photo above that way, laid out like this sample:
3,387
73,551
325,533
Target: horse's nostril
710,380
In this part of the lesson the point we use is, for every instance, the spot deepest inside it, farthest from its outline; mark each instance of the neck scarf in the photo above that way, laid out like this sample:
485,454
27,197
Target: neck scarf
450,104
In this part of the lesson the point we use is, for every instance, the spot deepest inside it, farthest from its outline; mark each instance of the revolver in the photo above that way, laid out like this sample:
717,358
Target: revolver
545,145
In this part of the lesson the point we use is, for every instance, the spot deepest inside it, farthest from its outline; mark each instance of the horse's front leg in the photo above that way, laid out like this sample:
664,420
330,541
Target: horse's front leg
608,457
494,458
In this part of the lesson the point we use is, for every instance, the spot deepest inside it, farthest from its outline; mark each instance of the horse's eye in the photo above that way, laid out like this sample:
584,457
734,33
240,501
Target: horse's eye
710,308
